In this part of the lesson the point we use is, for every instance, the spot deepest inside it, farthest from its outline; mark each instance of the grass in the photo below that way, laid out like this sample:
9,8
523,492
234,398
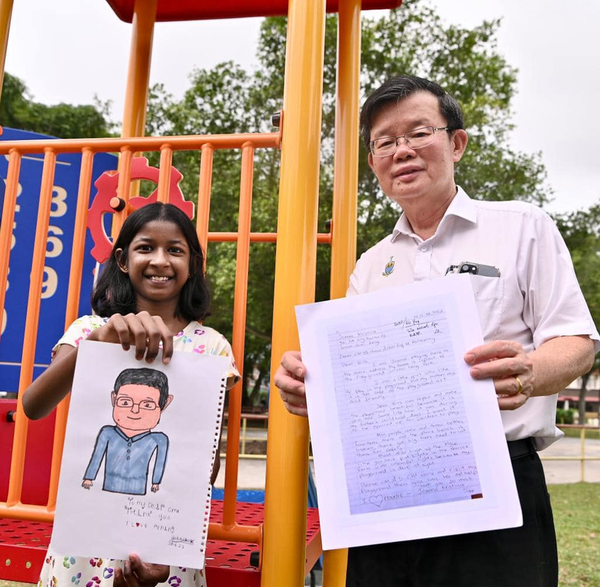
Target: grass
577,518
589,434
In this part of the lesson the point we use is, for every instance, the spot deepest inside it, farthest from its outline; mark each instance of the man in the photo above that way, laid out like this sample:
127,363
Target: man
537,329
139,398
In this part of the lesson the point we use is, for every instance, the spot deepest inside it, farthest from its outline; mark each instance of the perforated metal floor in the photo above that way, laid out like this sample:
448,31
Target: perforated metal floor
23,547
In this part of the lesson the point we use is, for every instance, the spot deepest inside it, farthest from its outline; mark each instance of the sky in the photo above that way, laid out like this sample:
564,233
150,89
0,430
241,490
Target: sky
71,50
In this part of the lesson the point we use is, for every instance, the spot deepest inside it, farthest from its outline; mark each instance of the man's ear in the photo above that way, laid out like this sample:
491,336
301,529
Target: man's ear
370,161
169,400
459,144
113,398
121,260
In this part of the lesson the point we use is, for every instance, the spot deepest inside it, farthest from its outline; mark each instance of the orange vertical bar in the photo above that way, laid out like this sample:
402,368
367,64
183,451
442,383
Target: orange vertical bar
239,331
283,558
164,177
6,228
138,75
204,187
6,7
75,276
31,326
345,194
123,190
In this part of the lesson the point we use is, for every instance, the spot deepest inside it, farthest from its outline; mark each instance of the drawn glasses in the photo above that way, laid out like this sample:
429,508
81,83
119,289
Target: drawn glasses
127,402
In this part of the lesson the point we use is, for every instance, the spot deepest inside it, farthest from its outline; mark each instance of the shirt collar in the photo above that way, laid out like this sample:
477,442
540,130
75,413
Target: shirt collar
132,438
461,206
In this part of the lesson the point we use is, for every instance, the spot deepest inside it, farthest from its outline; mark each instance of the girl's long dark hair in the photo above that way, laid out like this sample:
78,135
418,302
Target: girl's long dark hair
114,293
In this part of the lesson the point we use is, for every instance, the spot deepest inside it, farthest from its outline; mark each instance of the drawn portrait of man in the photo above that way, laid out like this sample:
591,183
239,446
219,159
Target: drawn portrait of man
139,398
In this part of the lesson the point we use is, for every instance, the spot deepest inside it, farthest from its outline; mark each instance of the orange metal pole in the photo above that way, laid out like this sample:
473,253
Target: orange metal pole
138,76
345,182
295,266
177,143
6,228
204,187
19,511
235,533
239,333
164,177
31,326
259,237
136,93
345,190
75,277
6,7
123,190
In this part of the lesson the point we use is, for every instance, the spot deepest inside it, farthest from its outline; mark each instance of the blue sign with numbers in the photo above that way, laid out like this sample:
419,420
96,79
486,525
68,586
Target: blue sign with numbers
58,255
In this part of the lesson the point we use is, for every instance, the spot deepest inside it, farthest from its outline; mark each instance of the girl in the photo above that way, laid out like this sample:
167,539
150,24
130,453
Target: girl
151,295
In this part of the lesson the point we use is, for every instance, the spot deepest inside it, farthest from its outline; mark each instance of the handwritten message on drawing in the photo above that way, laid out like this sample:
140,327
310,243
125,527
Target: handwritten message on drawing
147,515
404,430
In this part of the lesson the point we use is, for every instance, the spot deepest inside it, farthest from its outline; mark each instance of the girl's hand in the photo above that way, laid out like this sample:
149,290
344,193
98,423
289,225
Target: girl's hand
137,573
141,330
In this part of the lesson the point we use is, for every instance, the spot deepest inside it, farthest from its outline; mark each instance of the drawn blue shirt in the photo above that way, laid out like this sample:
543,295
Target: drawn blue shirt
128,460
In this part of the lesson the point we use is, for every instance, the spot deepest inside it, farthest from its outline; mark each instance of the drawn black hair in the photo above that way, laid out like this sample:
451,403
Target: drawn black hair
145,376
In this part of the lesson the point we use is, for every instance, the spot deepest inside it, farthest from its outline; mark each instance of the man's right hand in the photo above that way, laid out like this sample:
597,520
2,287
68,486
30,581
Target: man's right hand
289,378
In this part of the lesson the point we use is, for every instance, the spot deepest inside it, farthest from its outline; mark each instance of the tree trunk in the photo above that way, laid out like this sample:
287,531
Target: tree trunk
581,405
256,388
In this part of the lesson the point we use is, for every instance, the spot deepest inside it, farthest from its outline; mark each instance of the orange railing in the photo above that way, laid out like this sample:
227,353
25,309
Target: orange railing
228,529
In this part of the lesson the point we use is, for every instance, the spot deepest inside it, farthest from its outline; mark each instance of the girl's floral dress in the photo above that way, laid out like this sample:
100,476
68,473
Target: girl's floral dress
60,570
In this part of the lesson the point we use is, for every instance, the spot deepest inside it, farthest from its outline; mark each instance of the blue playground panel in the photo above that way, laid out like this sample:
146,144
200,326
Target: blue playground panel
245,495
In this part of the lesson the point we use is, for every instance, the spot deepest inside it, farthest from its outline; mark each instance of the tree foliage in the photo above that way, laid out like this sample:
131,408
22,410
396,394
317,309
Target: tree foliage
581,231
19,110
412,40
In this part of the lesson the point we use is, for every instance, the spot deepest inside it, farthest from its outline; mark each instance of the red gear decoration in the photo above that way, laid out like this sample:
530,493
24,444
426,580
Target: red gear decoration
107,202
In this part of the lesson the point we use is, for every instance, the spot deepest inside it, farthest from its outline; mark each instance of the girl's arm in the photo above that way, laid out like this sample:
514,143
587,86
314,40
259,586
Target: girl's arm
141,330
46,392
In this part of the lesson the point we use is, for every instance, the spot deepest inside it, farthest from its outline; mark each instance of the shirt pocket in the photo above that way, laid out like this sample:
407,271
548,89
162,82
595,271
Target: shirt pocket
489,297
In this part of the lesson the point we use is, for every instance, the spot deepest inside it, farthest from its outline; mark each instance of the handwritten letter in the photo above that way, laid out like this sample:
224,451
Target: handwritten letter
402,417
403,437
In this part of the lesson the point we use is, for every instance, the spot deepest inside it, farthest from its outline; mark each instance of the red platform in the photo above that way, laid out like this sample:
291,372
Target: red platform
177,10
23,547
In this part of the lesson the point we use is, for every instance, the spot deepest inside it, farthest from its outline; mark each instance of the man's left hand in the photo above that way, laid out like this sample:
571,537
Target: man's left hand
137,573
509,366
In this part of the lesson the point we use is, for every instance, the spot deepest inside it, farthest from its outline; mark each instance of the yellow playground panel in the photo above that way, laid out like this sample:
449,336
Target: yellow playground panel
287,549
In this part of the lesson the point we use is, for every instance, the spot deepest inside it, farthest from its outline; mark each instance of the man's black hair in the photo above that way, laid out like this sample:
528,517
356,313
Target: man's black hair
114,293
400,87
145,376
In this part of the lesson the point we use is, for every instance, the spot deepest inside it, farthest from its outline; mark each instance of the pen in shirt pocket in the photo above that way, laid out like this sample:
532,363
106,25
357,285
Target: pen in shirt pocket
474,269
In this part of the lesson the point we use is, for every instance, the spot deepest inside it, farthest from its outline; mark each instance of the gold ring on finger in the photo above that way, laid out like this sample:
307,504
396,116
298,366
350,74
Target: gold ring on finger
520,390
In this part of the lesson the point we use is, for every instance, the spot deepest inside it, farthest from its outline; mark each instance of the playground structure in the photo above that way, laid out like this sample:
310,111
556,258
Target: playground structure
286,549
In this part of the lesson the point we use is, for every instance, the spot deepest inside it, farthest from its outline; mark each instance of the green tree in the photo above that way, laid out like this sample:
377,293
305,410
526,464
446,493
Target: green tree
581,231
19,110
412,39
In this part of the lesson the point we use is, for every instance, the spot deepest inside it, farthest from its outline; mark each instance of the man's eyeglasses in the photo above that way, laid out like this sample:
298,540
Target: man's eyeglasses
415,139
127,402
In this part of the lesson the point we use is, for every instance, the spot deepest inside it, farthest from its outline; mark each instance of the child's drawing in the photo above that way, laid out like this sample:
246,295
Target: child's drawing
139,398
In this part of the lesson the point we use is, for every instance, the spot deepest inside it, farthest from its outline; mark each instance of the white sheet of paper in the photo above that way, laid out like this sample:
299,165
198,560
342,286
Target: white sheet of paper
406,444
168,526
